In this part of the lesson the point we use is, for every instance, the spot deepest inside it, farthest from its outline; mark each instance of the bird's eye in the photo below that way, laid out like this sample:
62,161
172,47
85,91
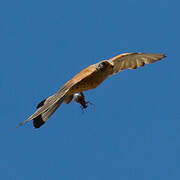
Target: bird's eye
102,65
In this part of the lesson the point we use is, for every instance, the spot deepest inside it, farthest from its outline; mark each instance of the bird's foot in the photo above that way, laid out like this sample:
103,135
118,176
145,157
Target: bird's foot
80,98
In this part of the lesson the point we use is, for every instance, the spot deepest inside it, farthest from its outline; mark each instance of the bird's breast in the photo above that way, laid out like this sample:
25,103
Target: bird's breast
89,82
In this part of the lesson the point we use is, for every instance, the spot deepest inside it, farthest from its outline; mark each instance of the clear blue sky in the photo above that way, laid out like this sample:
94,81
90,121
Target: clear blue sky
134,132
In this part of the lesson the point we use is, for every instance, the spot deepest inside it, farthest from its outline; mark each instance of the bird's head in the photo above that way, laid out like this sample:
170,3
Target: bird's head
105,66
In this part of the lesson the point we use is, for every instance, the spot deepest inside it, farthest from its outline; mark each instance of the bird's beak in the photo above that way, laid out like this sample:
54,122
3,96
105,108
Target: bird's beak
112,64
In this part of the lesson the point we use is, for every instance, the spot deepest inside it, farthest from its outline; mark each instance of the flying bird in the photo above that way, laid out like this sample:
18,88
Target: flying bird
89,78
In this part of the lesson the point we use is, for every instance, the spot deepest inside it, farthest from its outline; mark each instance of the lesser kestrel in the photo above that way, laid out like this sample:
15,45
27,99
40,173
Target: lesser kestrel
89,78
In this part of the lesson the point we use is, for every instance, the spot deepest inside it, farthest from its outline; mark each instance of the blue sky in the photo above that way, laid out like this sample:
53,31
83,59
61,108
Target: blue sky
134,132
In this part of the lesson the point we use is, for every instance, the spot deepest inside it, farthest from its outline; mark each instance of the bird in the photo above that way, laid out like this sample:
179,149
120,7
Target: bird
89,78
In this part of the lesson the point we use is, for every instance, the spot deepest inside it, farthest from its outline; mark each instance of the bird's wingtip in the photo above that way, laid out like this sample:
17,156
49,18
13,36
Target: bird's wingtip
20,124
164,55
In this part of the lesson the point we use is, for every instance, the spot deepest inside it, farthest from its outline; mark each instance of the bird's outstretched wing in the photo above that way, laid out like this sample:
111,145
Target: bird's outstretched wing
48,106
45,109
133,60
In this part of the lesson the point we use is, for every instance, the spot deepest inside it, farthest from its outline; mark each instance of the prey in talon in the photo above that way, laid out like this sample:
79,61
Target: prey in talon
80,98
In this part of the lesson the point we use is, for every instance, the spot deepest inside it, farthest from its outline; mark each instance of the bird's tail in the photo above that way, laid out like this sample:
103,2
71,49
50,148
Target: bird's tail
42,118
45,109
